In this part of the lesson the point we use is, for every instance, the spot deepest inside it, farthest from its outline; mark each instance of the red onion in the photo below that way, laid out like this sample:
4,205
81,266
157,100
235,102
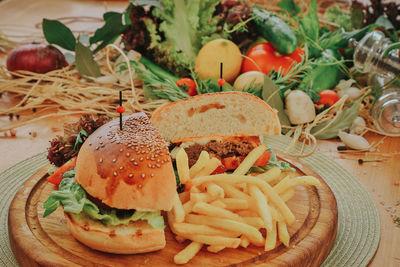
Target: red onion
39,58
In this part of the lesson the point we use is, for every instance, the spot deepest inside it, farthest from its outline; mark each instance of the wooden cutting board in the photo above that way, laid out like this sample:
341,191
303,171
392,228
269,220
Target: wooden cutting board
38,241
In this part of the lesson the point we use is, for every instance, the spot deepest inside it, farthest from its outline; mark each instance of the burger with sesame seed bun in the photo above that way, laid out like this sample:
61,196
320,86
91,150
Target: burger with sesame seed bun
122,180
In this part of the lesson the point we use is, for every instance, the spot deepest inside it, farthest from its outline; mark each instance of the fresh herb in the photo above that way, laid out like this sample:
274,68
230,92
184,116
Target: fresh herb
270,94
85,62
342,120
290,7
57,33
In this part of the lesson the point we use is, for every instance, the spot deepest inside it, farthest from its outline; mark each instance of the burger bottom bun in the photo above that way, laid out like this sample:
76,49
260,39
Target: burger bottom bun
136,237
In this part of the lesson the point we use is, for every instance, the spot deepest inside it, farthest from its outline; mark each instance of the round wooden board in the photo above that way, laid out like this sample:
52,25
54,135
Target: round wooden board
38,241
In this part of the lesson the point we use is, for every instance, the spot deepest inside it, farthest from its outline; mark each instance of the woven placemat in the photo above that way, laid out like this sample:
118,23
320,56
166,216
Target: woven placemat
358,228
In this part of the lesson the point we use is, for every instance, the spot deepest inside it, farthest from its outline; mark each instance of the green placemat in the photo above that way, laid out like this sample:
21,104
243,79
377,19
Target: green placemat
358,228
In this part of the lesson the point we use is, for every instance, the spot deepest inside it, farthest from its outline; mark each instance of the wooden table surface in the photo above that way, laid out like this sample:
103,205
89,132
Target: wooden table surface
381,179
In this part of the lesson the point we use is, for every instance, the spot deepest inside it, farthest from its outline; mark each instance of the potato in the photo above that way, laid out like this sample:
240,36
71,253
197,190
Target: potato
212,54
247,79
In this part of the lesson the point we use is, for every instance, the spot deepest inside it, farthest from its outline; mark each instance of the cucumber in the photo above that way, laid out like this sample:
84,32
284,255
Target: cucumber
275,30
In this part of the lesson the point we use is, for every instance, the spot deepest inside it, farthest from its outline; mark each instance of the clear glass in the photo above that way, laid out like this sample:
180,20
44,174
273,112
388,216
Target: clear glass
368,57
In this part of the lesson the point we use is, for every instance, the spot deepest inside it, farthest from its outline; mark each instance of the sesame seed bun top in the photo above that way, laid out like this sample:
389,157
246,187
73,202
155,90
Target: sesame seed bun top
128,169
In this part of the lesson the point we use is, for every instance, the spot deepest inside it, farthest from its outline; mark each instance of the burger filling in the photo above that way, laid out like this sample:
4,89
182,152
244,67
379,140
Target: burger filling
75,200
231,151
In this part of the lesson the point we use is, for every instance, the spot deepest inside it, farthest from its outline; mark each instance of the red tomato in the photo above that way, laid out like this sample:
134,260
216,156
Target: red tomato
188,85
263,159
231,163
328,97
56,177
263,57
220,169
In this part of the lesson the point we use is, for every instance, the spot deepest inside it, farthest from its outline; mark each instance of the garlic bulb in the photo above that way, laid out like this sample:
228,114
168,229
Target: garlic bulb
352,92
358,125
354,141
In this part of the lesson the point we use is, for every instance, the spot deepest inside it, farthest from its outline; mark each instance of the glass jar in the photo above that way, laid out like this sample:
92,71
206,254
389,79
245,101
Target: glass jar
384,71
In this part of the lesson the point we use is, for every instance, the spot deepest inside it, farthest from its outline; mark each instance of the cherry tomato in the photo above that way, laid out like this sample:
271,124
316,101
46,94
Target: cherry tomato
263,159
263,57
120,109
188,85
328,97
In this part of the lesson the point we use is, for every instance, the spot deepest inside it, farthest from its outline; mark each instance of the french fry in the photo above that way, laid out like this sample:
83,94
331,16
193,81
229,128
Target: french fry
265,187
244,242
283,232
178,210
218,203
287,183
235,203
185,229
249,231
271,175
186,254
210,210
212,164
256,222
215,249
201,197
249,160
233,192
180,239
215,190
270,241
182,165
200,163
187,207
229,242
262,206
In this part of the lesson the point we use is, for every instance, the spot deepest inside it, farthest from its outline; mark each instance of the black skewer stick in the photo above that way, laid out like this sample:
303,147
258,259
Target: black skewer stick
120,114
220,74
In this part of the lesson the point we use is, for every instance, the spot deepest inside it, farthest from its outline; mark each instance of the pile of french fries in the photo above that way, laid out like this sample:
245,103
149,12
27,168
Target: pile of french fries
229,210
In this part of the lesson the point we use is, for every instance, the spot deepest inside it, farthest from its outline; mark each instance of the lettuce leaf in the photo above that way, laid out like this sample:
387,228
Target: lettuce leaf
186,26
74,200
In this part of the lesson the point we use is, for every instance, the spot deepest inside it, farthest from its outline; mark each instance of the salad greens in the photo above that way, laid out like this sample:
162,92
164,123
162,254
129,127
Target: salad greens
74,200
273,162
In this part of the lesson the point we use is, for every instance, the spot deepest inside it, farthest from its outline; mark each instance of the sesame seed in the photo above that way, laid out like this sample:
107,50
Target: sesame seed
101,160
158,165
162,162
121,150
143,175
130,175
147,157
141,159
128,154
149,165
97,148
121,168
115,173
152,175
132,159
114,160
135,163
158,160
140,186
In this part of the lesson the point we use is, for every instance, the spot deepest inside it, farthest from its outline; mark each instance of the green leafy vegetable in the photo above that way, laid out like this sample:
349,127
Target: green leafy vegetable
325,74
85,62
73,199
270,88
147,3
80,138
57,33
290,7
309,29
341,121
115,24
339,16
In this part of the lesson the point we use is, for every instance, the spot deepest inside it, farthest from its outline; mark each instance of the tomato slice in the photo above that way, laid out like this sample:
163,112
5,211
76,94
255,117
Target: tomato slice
220,169
56,177
328,97
231,163
263,159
